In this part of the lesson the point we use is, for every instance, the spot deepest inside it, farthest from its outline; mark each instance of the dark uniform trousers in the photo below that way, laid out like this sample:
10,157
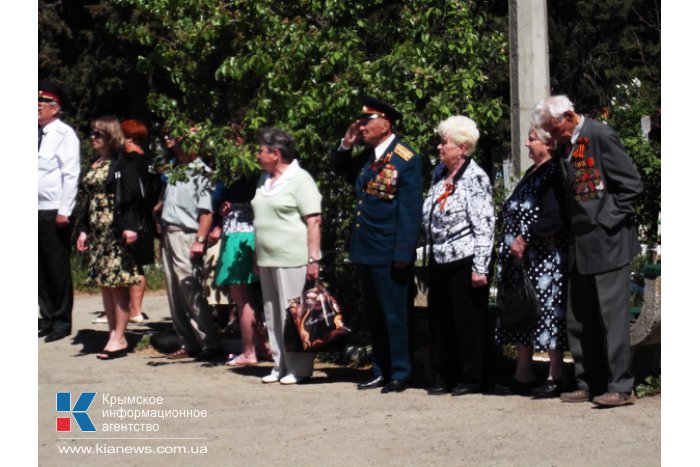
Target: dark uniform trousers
598,330
55,282
387,291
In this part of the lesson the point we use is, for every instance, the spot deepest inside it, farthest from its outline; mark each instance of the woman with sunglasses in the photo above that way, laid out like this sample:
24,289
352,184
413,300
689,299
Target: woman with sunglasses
109,226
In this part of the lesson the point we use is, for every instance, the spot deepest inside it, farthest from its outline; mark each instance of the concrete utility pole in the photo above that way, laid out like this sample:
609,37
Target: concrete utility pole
529,72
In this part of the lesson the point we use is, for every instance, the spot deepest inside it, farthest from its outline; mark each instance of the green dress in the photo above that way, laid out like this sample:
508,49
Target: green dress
111,263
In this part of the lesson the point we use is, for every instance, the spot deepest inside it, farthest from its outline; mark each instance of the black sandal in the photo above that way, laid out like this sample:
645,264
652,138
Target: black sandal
110,355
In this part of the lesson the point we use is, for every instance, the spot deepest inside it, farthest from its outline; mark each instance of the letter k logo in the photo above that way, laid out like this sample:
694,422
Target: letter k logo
79,411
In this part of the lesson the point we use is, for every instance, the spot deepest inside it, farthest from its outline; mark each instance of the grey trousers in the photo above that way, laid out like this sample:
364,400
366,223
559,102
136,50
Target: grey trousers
279,285
599,331
189,309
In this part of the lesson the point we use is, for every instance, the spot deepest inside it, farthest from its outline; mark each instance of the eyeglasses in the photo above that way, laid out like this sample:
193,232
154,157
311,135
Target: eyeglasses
96,134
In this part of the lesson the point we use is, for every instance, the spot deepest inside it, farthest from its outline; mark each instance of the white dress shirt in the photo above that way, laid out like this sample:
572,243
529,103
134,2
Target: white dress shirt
59,168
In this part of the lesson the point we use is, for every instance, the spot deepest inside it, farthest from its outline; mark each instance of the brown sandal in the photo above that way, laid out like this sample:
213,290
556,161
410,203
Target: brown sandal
179,354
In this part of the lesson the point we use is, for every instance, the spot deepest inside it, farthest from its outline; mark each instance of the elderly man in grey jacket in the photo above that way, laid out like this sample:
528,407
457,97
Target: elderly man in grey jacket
601,186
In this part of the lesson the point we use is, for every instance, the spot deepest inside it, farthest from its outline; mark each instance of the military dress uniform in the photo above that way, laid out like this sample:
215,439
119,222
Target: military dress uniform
385,229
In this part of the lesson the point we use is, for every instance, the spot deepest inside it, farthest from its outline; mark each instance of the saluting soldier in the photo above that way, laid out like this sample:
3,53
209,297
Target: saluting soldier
388,186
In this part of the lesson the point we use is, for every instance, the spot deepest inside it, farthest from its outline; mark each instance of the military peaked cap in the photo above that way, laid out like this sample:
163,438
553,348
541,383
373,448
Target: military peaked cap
51,92
373,108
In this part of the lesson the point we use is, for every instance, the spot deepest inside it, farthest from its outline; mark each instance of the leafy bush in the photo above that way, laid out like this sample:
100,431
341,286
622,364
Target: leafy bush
651,386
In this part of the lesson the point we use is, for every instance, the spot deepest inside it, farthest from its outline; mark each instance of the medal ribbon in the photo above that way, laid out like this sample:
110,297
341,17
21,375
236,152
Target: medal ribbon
442,199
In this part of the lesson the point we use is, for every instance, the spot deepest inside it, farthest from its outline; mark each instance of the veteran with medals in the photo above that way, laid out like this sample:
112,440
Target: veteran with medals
601,186
388,185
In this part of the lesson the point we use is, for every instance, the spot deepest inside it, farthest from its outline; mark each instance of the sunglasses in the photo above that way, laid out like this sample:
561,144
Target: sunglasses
96,134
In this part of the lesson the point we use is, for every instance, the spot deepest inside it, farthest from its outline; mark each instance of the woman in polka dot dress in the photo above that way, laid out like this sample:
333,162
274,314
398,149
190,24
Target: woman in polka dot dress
533,225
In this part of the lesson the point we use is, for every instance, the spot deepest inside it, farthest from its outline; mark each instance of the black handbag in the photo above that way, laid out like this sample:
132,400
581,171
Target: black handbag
518,306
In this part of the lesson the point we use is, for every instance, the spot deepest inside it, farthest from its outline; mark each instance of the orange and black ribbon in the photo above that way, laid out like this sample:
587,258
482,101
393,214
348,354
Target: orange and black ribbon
442,199
379,164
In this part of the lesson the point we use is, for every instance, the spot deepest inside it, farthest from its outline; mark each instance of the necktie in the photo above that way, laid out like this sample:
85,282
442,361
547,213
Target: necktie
41,135
567,149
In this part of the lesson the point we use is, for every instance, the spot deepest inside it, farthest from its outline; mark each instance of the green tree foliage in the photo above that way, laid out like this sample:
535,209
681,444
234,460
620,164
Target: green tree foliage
97,71
606,56
596,46
302,66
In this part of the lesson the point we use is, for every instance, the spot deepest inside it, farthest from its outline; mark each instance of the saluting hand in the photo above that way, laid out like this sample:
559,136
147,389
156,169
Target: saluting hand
352,135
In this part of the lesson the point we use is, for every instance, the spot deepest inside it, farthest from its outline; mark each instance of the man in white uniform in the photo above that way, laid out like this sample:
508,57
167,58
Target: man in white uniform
59,170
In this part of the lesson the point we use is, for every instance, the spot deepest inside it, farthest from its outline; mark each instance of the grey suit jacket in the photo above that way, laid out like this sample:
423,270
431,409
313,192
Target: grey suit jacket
601,186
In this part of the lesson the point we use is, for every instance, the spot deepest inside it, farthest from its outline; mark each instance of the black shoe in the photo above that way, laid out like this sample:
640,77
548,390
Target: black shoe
395,385
56,335
464,388
44,332
211,355
438,391
550,388
374,383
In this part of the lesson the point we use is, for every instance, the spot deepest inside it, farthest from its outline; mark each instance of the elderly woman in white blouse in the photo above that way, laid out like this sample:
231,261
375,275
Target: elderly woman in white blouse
458,219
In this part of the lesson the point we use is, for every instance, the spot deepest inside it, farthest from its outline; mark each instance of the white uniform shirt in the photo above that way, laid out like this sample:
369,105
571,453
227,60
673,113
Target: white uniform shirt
59,168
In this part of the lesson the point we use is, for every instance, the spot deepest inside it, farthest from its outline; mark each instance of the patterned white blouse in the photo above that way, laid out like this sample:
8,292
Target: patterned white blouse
459,221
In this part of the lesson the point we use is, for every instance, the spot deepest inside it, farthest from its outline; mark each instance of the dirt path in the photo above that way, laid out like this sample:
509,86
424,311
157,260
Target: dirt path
325,423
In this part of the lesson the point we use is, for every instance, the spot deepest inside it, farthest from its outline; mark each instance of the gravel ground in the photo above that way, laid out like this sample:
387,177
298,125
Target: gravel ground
327,422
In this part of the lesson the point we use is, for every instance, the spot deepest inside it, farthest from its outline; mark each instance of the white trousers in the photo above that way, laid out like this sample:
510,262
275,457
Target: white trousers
279,285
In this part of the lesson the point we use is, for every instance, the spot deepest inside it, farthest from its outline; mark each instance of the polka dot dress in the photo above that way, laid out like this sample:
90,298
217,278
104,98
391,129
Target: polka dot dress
547,264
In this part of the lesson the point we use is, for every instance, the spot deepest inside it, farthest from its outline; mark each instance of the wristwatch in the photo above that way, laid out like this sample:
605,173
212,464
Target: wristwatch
312,260
201,239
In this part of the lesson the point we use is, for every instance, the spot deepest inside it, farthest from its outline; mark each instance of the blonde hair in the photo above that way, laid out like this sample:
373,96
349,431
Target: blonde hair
461,130
113,135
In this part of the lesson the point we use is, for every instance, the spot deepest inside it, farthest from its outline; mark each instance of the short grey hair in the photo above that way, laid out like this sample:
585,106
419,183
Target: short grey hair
274,138
461,130
552,106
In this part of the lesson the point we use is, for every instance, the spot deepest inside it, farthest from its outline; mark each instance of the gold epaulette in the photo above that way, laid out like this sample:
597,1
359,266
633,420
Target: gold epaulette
403,152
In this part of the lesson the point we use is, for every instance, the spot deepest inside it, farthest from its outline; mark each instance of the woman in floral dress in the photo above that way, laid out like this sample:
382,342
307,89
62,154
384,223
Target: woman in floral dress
533,225
108,230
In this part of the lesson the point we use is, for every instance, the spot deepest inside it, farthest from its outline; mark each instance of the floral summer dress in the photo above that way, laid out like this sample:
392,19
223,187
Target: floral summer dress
110,264
547,259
